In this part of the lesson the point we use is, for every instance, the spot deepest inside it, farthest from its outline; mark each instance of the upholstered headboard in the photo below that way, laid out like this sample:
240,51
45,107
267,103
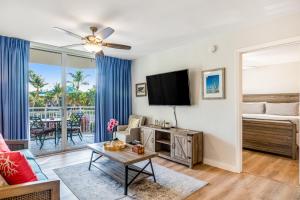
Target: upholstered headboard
272,98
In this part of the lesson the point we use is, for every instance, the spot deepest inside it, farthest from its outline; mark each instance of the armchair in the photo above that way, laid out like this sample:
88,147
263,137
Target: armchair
126,134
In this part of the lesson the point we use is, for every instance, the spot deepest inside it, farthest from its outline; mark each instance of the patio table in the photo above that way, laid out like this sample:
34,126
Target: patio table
55,121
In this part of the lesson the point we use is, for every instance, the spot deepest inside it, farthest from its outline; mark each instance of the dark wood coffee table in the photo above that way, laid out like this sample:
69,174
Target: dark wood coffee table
125,172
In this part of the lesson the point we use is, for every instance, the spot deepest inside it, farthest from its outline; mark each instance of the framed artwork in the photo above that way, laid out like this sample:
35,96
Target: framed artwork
141,89
213,84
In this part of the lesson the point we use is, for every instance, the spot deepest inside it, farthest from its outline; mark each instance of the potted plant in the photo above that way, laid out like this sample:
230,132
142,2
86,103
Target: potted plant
111,127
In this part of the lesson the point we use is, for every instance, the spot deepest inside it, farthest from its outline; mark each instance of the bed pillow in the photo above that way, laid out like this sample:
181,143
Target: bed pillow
288,109
15,169
3,145
254,108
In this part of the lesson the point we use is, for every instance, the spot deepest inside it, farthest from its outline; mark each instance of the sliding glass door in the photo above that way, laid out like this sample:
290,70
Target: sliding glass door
80,101
62,98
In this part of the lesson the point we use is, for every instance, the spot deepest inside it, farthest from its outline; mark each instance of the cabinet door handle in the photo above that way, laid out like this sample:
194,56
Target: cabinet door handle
173,145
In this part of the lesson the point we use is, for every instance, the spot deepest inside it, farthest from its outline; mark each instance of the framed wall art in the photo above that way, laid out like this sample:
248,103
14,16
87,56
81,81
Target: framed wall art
141,89
213,84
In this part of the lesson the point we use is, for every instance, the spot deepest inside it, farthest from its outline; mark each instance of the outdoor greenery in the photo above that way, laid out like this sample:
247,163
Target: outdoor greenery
75,96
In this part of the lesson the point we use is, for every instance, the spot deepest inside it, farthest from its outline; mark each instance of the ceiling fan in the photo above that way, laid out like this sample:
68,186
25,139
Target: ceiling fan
95,41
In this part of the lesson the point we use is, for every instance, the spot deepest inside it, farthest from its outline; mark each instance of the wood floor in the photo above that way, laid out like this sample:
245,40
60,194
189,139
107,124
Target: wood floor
265,177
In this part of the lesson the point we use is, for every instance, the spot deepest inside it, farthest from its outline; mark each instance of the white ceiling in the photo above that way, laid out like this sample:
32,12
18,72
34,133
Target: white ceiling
146,25
272,56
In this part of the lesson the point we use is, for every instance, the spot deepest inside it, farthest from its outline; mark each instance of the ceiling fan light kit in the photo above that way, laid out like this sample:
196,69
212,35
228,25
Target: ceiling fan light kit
94,43
93,47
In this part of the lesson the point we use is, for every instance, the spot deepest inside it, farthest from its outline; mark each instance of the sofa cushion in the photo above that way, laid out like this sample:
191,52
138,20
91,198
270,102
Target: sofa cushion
35,167
28,155
15,168
287,109
3,145
37,170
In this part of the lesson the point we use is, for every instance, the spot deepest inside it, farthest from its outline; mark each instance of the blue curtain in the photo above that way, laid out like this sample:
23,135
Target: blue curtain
14,55
113,96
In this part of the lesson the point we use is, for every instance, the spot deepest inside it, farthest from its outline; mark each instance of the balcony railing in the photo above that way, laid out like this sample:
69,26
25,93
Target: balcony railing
88,118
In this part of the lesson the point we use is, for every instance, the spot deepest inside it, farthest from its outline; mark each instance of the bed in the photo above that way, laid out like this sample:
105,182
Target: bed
268,130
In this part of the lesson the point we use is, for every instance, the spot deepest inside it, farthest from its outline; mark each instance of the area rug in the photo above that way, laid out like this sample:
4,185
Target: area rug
95,184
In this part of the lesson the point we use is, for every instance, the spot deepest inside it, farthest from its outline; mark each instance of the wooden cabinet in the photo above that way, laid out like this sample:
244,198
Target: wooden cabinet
180,149
148,139
179,145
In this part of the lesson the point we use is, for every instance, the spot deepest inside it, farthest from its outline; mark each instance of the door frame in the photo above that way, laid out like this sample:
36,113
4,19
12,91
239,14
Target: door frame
239,92
64,63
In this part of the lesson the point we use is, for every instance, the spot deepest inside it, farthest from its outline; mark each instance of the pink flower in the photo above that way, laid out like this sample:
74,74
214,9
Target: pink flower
112,124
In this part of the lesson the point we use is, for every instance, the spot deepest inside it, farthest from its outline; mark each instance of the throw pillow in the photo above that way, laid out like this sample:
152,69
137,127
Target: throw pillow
3,145
2,181
133,123
15,169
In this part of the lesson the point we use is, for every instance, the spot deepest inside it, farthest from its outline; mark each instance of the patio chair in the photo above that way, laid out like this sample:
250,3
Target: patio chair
74,126
39,130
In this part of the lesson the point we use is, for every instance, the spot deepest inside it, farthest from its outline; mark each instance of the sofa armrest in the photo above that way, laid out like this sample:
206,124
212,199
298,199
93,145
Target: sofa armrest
135,133
15,145
122,127
32,191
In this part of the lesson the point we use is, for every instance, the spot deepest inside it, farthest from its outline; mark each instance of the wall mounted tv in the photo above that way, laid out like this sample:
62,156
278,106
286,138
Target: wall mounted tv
169,88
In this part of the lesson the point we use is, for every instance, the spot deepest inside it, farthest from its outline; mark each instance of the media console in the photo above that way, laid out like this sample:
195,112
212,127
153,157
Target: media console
179,145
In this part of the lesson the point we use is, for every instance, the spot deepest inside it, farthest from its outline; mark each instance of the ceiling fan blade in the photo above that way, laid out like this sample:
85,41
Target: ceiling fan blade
69,33
72,45
116,46
105,33
100,53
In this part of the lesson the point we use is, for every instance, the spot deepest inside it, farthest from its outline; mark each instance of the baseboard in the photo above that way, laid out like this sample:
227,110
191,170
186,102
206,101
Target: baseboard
221,165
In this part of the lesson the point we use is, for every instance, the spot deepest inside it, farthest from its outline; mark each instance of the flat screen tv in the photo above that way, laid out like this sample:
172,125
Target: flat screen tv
169,88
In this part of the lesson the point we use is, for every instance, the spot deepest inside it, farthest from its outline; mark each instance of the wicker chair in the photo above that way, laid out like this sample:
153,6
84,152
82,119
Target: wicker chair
37,190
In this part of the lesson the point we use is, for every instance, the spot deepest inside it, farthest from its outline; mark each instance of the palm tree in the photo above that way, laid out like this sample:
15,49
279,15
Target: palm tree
36,81
56,93
78,79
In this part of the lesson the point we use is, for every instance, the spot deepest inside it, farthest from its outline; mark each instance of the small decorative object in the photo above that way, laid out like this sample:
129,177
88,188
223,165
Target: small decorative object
139,149
213,84
111,126
114,145
167,125
141,89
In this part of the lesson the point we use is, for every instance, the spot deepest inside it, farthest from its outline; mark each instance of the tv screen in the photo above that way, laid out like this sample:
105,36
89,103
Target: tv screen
169,88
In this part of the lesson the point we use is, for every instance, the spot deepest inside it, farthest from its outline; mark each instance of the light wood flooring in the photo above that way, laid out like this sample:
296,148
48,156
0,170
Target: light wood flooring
265,176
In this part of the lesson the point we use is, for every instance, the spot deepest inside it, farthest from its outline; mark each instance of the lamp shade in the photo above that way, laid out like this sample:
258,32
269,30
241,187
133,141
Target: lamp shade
92,47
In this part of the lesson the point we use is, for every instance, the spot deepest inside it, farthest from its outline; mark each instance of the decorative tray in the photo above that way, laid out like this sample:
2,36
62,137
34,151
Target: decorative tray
115,145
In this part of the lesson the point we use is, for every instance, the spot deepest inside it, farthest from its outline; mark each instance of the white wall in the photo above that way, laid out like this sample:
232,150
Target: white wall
281,78
217,118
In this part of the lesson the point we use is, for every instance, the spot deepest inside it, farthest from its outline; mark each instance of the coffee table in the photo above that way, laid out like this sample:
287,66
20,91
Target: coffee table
126,159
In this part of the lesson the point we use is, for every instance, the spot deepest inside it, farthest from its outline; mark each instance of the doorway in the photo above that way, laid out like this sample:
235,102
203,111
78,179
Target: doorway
269,111
61,101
